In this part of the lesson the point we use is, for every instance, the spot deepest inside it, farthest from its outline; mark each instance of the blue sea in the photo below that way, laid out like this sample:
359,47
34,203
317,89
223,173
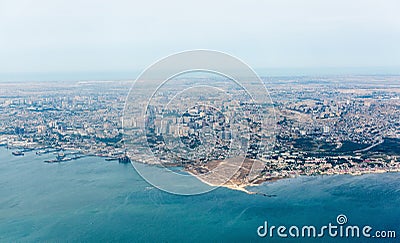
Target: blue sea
92,200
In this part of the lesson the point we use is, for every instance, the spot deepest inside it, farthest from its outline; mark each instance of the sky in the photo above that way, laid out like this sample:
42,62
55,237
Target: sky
96,36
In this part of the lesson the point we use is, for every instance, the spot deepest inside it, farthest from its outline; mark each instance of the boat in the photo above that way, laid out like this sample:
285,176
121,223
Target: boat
18,153
60,156
124,160
52,161
58,160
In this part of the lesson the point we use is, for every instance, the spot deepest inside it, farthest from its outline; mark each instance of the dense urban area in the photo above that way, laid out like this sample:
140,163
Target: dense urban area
321,125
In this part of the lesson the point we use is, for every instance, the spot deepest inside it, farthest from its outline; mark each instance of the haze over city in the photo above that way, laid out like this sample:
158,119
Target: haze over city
69,40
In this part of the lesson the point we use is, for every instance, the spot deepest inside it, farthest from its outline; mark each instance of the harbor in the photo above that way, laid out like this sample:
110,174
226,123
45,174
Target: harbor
62,155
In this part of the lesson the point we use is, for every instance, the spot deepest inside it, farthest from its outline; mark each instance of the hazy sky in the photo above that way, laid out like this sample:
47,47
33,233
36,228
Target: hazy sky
95,35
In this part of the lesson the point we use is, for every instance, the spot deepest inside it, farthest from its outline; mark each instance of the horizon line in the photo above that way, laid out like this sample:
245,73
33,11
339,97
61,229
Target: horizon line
120,75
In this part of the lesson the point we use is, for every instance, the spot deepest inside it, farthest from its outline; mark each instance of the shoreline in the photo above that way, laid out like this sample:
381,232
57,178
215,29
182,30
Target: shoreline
244,188
238,188
230,184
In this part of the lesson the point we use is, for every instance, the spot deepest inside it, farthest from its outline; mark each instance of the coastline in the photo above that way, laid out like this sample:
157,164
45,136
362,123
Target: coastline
244,187
232,187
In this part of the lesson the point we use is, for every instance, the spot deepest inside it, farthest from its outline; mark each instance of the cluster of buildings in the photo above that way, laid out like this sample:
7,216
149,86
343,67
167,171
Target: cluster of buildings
80,117
318,127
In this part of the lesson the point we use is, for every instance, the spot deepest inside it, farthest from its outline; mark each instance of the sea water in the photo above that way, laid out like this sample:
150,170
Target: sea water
93,200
